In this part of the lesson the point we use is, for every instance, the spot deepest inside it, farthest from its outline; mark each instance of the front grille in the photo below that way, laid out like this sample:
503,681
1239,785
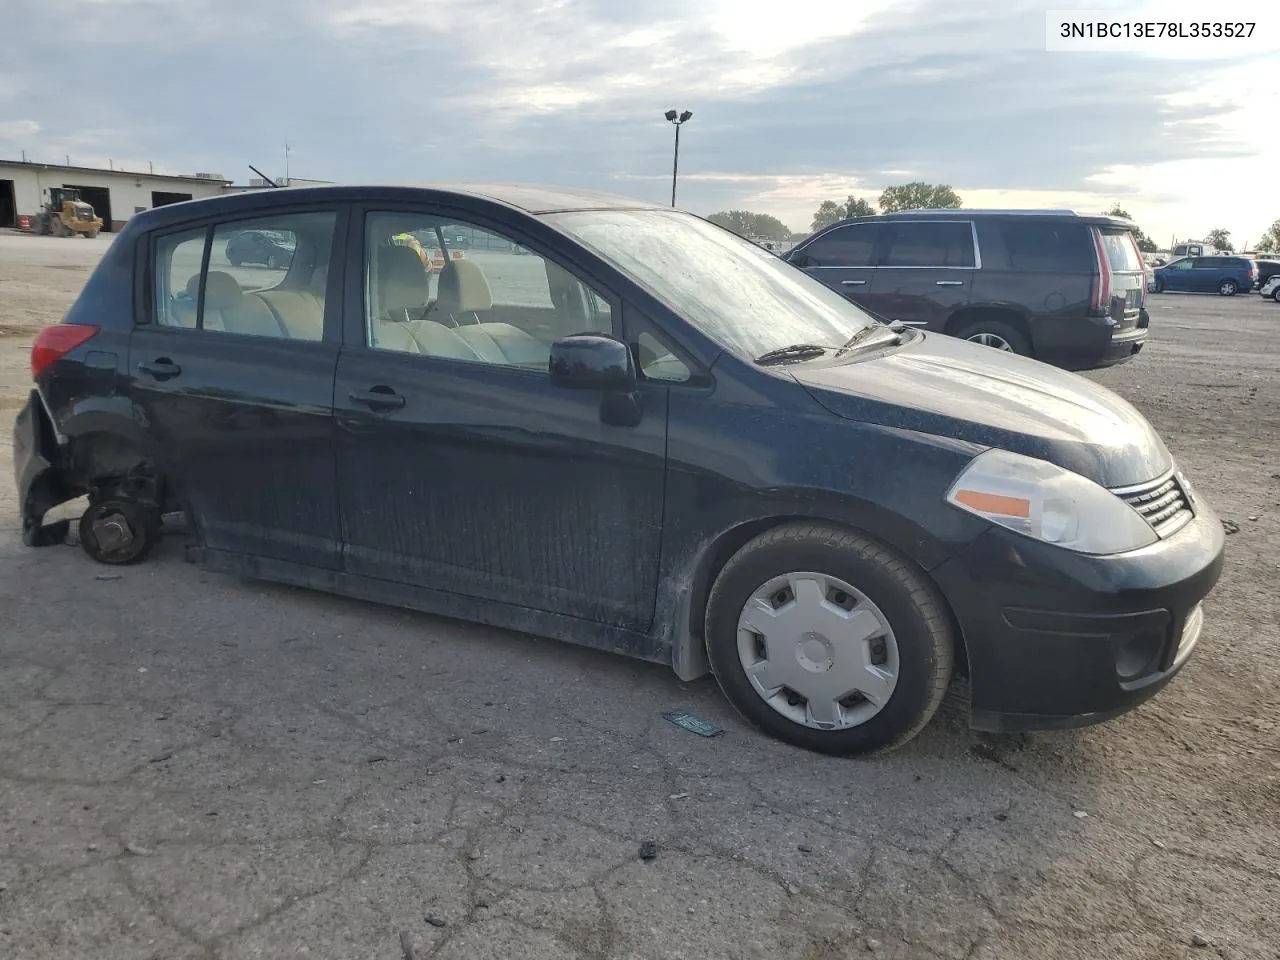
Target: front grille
1162,503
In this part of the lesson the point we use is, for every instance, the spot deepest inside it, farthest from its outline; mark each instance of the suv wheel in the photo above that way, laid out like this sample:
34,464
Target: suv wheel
993,333
1228,288
828,640
1275,294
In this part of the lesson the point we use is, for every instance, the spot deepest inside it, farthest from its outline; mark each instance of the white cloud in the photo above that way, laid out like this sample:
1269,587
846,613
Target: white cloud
791,107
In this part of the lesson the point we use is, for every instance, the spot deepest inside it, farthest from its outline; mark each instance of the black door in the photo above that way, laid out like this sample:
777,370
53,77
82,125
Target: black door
236,385
462,469
842,258
925,271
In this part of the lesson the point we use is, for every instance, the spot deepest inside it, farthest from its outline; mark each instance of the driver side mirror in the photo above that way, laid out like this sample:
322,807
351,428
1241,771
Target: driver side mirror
588,361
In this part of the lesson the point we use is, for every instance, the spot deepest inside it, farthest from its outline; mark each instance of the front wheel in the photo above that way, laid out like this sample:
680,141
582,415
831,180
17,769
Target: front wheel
1228,288
829,640
1158,286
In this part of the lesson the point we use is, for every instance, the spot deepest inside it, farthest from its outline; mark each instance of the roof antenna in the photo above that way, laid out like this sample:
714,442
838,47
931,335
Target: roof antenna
263,175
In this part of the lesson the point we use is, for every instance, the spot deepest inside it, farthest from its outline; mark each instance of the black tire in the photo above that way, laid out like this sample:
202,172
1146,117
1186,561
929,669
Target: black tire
1275,295
1159,286
143,524
1228,287
235,262
911,603
1015,338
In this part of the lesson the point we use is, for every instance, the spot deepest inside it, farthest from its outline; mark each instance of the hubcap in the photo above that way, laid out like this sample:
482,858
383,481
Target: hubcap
992,340
818,651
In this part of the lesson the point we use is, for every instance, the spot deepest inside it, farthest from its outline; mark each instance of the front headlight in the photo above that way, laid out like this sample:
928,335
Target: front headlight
1046,502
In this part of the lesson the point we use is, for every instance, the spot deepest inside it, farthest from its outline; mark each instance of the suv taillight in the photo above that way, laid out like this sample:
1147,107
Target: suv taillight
1100,295
55,342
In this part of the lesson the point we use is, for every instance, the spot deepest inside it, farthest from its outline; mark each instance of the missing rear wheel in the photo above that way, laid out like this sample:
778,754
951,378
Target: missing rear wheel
119,531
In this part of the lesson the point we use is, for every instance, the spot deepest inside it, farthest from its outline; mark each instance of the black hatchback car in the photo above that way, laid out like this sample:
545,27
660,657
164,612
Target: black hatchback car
1066,289
623,426
272,250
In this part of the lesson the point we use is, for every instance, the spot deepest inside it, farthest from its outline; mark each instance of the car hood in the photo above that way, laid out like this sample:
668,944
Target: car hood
947,387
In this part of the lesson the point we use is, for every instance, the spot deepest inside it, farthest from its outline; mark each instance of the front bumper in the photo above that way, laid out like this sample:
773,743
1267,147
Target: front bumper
40,480
1056,639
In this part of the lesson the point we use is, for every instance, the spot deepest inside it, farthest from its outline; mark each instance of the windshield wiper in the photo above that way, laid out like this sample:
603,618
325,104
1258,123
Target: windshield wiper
797,351
895,327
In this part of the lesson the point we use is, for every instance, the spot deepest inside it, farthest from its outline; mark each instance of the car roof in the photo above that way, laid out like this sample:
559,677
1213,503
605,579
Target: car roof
530,198
965,213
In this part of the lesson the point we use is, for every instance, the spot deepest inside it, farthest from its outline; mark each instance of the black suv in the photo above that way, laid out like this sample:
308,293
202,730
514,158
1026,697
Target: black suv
1050,284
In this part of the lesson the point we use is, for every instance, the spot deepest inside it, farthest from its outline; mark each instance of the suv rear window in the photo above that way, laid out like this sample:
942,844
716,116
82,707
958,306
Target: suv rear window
929,244
1122,252
1037,245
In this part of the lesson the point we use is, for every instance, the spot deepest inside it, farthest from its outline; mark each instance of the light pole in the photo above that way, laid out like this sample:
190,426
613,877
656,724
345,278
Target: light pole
678,119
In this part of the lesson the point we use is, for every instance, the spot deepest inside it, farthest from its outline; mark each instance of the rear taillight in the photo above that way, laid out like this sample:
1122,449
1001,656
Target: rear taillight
54,343
1100,293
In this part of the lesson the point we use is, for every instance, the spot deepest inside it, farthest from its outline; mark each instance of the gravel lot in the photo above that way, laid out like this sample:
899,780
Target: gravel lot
197,767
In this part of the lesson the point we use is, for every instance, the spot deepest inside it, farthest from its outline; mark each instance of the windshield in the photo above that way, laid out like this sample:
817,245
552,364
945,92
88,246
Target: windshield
741,296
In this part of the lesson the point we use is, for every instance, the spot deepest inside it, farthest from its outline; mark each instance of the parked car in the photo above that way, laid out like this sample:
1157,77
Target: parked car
1054,285
1271,288
1224,275
1195,248
1266,270
642,433
254,246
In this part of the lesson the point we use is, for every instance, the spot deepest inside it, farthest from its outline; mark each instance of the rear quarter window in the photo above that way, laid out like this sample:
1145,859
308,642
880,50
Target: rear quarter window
1047,247
1122,252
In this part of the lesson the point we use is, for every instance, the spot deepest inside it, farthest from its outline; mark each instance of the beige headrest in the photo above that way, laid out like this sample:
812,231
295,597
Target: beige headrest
402,279
221,291
463,288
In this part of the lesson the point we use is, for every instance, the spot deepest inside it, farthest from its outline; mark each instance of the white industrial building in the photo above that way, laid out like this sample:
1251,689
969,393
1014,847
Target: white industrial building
115,195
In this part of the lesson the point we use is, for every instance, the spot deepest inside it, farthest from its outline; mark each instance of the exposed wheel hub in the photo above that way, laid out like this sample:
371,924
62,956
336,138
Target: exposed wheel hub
112,532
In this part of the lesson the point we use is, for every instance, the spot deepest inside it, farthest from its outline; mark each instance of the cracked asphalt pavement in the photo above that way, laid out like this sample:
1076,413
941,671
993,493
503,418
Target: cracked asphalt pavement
193,766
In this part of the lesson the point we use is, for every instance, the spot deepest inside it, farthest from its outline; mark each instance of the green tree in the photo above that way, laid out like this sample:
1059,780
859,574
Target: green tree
1270,242
828,212
857,207
1145,243
919,195
1220,238
748,224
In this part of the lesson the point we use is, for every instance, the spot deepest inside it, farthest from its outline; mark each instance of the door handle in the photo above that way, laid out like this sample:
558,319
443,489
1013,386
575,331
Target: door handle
162,368
950,283
853,283
378,399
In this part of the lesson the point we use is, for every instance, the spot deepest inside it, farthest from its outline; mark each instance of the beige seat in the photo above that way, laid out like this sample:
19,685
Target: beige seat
463,296
403,285
403,292
463,292
300,312
227,307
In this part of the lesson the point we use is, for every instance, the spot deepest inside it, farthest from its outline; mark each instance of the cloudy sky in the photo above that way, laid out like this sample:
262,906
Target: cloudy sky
793,102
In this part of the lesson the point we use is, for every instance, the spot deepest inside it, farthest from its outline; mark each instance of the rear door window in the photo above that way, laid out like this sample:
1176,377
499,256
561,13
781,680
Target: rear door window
929,244
1033,245
849,246
205,281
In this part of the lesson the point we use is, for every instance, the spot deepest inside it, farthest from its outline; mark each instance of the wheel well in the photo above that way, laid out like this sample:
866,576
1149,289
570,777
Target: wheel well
99,459
969,315
719,553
